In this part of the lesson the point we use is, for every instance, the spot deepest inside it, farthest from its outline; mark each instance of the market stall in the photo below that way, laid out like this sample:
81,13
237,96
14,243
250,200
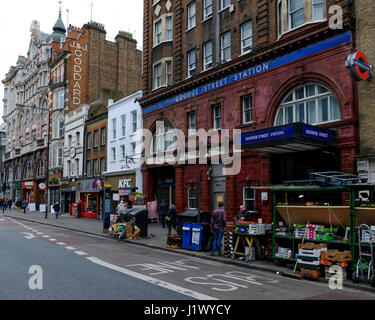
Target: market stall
331,224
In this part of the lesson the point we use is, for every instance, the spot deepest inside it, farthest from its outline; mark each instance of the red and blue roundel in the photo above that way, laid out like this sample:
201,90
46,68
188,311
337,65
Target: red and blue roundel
358,66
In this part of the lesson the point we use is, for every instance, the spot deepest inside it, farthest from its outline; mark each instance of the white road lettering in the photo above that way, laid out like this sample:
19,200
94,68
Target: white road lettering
169,286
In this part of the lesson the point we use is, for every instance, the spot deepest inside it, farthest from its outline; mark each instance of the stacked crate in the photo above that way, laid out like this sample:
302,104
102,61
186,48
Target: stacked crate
228,244
335,258
368,235
308,259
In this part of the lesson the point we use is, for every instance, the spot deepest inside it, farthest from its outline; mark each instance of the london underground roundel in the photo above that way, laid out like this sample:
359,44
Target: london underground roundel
358,66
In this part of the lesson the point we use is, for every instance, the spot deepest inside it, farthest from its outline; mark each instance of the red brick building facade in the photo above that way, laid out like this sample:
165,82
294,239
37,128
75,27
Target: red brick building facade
271,77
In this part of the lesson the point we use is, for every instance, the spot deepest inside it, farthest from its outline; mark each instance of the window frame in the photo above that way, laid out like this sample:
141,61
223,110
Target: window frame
215,117
250,109
209,65
192,199
191,17
308,101
158,78
249,22
206,15
191,71
224,49
249,199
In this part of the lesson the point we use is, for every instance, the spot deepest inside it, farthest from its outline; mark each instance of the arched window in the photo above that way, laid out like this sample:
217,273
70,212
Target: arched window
164,138
311,103
20,125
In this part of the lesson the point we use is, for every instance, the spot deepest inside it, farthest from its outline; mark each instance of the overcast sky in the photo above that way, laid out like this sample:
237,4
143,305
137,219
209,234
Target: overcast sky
16,17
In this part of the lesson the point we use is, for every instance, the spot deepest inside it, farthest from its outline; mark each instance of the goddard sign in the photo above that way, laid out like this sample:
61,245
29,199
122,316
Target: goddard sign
358,66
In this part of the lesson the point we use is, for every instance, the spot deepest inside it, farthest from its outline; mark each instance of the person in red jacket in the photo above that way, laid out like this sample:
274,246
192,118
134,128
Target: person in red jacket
218,223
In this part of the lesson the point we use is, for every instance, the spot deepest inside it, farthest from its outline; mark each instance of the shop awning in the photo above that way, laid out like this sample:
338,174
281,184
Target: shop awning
290,138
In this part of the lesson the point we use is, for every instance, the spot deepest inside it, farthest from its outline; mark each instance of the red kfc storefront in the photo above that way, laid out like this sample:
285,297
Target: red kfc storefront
91,191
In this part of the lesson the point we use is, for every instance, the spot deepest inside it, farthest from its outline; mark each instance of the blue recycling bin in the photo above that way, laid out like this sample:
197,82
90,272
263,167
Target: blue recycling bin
186,236
196,238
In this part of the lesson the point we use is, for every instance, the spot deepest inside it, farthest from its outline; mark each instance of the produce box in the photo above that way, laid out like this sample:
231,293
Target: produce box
310,274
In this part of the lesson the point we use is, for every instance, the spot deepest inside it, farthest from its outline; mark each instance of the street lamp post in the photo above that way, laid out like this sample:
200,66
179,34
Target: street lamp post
48,143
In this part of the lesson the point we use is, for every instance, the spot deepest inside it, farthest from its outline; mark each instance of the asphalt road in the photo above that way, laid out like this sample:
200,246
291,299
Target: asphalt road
39,262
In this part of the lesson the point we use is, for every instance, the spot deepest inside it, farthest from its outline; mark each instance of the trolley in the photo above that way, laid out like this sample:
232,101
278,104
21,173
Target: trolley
365,265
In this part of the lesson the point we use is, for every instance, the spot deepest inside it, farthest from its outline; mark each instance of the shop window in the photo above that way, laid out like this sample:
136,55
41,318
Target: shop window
247,109
249,199
192,198
311,103
293,14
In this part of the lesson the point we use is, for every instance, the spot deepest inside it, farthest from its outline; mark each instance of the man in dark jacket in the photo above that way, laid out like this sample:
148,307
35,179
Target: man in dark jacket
218,223
243,215
56,208
171,219
163,211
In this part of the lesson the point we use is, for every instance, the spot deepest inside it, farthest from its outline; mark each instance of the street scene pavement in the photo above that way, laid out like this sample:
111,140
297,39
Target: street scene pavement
80,262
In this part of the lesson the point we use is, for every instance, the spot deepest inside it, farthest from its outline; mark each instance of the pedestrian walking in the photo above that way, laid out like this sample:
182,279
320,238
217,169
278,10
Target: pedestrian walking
56,208
163,211
171,219
5,204
218,223
10,203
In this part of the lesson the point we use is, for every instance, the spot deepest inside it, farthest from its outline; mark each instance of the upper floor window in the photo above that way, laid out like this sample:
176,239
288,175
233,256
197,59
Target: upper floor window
192,120
164,138
293,14
168,72
191,63
191,15
311,103
296,12
224,4
96,138
207,55
103,134
246,37
123,125
134,121
89,140
226,47
158,32
217,116
168,28
157,74
207,9
247,109
114,129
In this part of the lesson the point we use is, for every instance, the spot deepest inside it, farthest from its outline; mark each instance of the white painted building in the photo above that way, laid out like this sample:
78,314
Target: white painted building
123,169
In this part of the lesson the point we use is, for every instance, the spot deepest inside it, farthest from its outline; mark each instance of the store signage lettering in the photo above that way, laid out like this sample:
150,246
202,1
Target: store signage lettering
358,66
77,71
317,134
266,135
255,70
126,183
